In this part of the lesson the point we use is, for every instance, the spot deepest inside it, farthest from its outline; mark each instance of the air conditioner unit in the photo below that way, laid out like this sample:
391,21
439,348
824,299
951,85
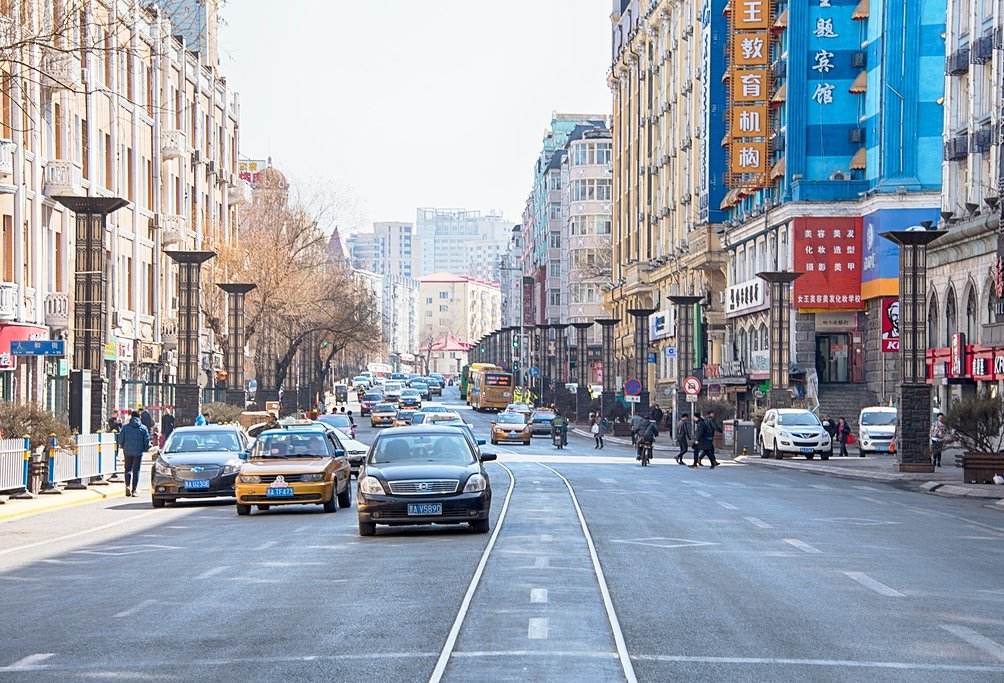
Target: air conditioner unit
859,59
211,167
983,50
958,61
856,135
196,157
957,148
981,140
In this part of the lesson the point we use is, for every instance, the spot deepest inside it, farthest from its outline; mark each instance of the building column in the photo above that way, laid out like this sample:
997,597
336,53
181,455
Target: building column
685,355
609,391
582,370
234,360
913,446
90,313
561,354
780,336
187,400
641,333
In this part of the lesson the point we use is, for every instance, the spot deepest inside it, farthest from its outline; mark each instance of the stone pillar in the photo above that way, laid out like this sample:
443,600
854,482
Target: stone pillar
561,354
90,311
609,372
685,356
265,364
236,291
640,369
913,446
582,370
187,399
780,336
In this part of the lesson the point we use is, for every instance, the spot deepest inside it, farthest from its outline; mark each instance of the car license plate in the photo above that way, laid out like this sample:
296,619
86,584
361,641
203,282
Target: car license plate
805,450
280,492
196,484
422,509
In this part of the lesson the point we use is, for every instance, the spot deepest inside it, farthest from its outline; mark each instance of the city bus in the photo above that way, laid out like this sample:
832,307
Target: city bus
490,389
465,377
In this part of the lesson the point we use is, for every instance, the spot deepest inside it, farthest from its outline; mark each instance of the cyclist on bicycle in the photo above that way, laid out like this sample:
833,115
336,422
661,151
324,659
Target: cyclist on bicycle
559,425
646,437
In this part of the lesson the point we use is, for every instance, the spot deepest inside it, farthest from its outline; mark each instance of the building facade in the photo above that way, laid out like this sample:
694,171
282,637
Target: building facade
457,305
134,113
461,241
389,249
400,318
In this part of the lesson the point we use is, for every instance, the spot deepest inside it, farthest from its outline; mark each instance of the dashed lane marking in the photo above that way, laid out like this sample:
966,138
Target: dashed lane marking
29,663
538,596
977,640
702,494
266,545
727,506
757,522
134,609
52,542
537,628
541,563
872,584
213,571
869,499
802,545
834,663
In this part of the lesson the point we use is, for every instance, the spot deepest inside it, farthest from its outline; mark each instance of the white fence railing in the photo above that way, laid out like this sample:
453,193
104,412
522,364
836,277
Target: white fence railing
93,455
13,464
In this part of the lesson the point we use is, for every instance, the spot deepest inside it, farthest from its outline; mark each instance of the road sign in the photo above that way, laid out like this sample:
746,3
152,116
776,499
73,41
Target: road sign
632,387
39,347
670,352
691,398
632,399
652,357
692,385
535,371
759,393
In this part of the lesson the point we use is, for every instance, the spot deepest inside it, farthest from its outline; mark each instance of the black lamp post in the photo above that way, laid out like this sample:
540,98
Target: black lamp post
609,390
581,370
187,399
641,334
685,356
561,354
913,448
236,292
780,335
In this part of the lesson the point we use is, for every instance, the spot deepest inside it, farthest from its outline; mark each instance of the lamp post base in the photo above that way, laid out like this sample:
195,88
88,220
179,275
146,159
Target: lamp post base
779,398
186,404
237,397
913,445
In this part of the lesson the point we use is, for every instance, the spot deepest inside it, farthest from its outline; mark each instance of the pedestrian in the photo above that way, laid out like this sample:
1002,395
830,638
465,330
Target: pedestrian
597,432
202,419
704,444
134,439
146,418
938,434
684,435
341,409
843,433
166,424
657,415
636,423
830,427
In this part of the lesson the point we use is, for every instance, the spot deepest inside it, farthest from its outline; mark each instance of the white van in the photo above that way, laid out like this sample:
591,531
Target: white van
876,428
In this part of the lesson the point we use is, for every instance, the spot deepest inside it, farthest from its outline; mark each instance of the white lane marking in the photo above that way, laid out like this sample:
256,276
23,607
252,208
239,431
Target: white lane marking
862,487
871,500
536,653
608,481
537,628
757,522
802,545
67,537
848,663
287,564
702,494
538,596
301,529
266,545
608,604
546,538
135,608
465,604
977,640
821,486
541,563
211,572
727,506
30,662
872,584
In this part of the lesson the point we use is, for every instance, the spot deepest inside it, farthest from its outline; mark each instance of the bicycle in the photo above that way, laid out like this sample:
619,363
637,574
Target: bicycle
645,453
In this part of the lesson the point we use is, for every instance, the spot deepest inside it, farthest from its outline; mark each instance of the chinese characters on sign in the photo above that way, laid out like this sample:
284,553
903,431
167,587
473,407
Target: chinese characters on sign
890,324
827,251
749,84
821,58
746,297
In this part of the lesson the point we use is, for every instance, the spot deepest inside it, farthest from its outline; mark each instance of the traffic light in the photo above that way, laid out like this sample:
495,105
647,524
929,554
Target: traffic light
515,342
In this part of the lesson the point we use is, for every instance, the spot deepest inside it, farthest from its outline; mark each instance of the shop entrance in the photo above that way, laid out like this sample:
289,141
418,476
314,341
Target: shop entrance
832,353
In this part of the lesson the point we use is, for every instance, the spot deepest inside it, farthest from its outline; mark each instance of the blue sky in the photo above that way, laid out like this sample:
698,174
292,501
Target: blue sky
396,104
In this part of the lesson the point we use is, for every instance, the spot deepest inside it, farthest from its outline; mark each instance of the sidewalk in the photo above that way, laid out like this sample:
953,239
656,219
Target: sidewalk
624,442
944,481
17,508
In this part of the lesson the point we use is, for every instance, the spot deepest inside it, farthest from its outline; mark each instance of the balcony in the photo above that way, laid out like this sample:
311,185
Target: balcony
169,331
145,324
172,230
62,178
30,305
7,149
240,193
61,71
8,301
172,144
57,310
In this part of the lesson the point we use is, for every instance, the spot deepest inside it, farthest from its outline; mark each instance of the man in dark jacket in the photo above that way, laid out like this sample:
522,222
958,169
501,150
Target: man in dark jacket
684,436
705,440
166,424
146,418
134,440
657,415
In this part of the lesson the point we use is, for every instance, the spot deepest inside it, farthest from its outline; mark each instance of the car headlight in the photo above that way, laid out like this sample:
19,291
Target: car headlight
232,467
163,469
825,438
250,479
784,435
476,484
371,486
312,477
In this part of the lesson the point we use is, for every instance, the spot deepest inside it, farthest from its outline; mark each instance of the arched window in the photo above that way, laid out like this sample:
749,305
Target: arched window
764,338
932,323
972,316
991,298
744,350
951,315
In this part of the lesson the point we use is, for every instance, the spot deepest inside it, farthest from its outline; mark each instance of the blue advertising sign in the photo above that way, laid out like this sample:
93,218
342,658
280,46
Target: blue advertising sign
880,258
40,347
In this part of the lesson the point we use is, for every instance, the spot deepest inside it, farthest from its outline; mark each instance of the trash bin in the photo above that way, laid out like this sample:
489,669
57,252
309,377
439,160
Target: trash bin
745,437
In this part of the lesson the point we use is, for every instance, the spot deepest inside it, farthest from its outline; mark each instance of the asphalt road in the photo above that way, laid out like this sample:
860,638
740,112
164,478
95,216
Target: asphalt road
600,571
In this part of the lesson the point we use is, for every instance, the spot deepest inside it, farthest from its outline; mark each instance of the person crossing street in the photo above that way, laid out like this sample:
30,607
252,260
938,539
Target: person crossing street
684,436
705,440
134,440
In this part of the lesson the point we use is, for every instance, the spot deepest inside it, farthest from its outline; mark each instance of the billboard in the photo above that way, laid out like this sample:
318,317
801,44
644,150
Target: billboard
248,169
828,253
890,324
880,257
749,86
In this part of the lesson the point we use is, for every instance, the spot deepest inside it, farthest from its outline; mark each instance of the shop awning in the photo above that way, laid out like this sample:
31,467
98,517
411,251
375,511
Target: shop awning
730,199
777,170
781,95
860,84
725,140
859,161
782,21
861,11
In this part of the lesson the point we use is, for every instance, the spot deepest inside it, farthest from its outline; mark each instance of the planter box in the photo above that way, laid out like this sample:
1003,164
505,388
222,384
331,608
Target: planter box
980,468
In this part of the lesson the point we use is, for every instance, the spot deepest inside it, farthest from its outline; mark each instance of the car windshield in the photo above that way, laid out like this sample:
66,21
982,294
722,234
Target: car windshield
373,397
543,415
393,386
442,449
510,419
294,444
203,441
419,386
338,420
878,419
385,408
417,418
800,419
413,393
429,408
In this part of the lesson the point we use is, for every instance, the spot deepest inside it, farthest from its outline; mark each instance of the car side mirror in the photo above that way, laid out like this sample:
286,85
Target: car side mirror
244,455
339,452
481,442
488,457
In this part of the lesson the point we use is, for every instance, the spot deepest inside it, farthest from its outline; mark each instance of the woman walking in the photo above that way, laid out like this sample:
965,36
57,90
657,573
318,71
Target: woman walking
597,432
843,434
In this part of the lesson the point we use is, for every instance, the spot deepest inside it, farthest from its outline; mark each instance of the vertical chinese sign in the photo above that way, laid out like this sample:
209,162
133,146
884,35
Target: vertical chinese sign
828,253
749,92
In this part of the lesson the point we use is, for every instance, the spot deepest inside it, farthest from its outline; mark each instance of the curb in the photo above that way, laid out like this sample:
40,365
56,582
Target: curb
93,496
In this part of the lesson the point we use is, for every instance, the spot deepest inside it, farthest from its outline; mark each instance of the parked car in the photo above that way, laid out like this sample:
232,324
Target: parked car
511,427
294,467
198,462
794,431
424,475
876,429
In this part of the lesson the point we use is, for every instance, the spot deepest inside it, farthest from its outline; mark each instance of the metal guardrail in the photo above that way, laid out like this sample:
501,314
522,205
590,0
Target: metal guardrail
14,457
92,455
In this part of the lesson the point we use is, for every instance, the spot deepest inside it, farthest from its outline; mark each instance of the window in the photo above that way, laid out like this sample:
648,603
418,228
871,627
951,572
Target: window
130,189
555,240
951,315
85,149
590,225
932,323
443,308
591,189
554,268
444,294
555,210
972,317
109,160
555,297
428,299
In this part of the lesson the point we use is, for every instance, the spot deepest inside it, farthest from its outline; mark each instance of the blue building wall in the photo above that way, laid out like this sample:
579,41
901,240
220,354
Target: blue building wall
713,185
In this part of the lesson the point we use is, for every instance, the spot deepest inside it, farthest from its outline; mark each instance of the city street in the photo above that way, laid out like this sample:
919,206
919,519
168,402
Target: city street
601,571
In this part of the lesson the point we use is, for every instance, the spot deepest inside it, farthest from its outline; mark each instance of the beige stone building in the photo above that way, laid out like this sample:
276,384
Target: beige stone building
456,305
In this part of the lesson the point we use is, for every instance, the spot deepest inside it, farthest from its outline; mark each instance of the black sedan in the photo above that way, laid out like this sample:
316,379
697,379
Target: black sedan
198,462
410,398
424,475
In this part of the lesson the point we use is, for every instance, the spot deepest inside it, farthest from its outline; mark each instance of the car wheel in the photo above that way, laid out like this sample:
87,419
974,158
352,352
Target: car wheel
243,510
331,504
764,452
264,508
345,497
158,502
825,456
480,526
778,455
810,456
367,528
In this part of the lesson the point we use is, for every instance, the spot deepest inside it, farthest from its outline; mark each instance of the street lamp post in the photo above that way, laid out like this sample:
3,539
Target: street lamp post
609,391
236,292
780,336
913,447
187,399
685,356
581,370
641,333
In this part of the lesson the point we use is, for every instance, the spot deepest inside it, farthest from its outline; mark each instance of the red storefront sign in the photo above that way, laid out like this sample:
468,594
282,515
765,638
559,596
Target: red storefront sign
12,333
828,253
890,324
958,351
975,362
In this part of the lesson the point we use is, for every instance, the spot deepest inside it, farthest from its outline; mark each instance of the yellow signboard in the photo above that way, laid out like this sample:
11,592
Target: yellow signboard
751,48
749,121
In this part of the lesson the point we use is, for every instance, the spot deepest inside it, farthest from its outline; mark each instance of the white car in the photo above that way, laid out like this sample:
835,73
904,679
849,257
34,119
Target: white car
794,431
876,428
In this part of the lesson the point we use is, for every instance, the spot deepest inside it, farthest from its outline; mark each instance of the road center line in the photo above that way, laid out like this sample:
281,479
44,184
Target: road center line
727,506
537,628
465,604
30,662
977,640
608,603
211,572
135,608
702,494
802,545
872,584
757,522
67,537
266,545
538,596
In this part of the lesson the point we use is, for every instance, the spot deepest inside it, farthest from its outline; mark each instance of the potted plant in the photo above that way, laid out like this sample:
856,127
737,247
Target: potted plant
976,423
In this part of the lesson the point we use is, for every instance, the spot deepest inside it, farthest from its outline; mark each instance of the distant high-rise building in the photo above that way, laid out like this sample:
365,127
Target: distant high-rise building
462,242
197,22
388,250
